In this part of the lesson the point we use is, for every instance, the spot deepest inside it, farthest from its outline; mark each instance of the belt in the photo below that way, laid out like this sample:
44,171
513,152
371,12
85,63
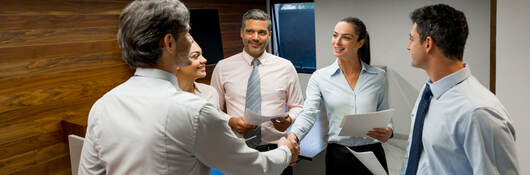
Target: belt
266,147
334,145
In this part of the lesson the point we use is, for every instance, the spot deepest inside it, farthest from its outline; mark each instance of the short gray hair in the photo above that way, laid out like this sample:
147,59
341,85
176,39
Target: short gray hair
256,14
143,23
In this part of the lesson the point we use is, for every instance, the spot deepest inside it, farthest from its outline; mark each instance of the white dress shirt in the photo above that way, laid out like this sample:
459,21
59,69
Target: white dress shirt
207,92
147,125
466,130
280,88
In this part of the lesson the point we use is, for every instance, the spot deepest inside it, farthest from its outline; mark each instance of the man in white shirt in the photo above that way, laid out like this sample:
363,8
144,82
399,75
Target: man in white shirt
147,125
278,85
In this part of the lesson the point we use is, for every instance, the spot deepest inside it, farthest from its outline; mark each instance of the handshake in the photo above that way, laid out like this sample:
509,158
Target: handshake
239,125
292,143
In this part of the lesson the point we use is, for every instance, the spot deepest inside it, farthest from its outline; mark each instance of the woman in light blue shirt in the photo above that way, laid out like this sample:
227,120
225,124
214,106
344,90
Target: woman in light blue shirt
348,86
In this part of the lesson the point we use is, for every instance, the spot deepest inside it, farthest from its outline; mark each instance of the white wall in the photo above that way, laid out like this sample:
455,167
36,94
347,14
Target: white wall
389,26
513,61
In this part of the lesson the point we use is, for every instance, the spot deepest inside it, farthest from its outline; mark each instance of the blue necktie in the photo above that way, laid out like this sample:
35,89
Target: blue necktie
416,145
253,103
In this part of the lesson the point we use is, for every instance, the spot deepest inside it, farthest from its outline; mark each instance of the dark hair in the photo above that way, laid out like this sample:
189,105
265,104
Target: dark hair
360,31
445,25
256,14
143,23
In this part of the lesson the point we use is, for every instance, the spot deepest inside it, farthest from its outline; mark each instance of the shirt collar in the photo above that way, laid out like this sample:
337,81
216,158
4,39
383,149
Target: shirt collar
441,86
365,68
196,88
158,74
263,58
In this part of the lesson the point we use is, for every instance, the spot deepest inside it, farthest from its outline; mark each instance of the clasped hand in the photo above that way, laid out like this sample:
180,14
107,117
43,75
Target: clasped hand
292,143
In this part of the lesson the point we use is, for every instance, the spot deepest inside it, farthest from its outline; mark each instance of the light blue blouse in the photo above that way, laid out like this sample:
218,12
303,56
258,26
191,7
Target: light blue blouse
328,85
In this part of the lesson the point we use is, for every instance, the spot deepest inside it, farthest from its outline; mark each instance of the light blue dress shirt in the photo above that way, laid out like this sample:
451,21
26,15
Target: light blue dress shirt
466,130
328,85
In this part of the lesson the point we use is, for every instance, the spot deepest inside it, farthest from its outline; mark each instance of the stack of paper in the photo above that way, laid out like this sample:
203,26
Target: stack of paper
359,124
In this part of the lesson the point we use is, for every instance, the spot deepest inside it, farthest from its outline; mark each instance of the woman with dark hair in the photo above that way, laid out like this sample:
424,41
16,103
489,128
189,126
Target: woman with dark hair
348,86
187,75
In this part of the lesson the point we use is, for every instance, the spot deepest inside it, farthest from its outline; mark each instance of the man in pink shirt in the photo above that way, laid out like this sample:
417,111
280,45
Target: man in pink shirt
277,86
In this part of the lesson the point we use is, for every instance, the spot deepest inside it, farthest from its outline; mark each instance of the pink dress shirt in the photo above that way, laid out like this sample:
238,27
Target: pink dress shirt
280,88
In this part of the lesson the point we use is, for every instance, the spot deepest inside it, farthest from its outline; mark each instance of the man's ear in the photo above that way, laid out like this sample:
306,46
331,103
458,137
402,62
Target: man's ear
167,43
428,44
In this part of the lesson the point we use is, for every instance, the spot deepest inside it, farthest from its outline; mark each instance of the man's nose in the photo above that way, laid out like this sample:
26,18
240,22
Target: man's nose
254,36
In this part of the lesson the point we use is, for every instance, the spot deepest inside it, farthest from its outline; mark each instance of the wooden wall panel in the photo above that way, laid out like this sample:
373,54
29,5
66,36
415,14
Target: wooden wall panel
13,54
24,22
61,7
57,57
13,38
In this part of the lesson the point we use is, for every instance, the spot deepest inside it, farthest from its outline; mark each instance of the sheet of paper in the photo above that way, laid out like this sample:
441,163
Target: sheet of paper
257,119
359,124
370,161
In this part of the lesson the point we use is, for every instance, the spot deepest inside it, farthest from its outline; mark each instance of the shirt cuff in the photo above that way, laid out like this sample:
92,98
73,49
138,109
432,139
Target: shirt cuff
287,151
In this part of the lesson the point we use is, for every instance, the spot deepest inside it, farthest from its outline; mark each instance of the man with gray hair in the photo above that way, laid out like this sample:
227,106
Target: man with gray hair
147,125
260,82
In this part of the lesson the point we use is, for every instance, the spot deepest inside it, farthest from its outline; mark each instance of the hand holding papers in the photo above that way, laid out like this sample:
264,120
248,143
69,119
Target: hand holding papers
359,124
370,161
256,119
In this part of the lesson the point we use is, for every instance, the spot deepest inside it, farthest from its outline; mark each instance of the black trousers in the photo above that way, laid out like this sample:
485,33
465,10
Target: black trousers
268,147
341,161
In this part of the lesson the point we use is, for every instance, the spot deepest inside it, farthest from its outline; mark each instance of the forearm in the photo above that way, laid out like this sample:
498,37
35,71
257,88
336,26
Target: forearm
242,159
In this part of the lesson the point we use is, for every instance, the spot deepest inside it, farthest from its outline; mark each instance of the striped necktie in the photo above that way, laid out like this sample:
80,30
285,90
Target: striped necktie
253,103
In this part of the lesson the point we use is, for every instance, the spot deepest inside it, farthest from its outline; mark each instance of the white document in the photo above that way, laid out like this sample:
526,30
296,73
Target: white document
370,161
359,124
257,119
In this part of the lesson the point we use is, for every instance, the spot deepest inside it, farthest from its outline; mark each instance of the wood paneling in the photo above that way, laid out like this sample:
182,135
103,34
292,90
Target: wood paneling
48,160
25,22
14,38
57,57
62,7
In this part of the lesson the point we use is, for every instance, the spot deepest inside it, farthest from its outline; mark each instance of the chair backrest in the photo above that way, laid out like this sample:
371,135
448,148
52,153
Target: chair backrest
76,145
